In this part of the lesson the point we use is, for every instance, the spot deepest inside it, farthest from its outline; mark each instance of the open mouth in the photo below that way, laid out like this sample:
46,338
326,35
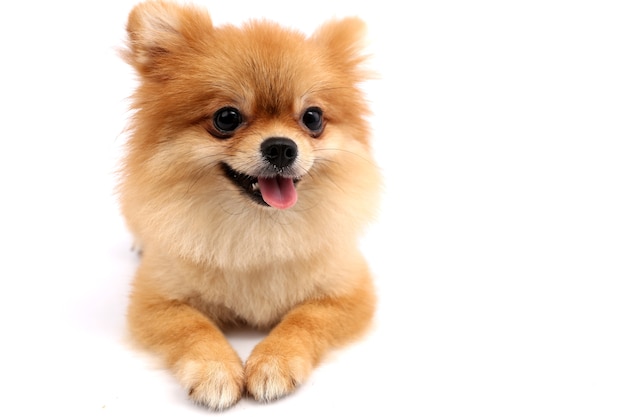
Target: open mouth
277,191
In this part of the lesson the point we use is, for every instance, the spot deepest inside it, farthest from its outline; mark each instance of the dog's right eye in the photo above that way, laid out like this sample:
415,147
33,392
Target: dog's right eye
226,120
313,119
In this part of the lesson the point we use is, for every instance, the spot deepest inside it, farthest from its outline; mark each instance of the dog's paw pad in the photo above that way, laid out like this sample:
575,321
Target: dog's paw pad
269,377
217,385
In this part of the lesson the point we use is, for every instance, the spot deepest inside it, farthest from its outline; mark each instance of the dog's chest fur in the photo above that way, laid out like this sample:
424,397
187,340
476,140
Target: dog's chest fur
257,297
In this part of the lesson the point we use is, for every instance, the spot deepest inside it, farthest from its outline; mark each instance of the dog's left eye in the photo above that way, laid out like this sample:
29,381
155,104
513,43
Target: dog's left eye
313,120
226,120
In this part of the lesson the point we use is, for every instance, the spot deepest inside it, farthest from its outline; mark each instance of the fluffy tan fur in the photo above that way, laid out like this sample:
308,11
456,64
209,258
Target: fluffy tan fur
212,257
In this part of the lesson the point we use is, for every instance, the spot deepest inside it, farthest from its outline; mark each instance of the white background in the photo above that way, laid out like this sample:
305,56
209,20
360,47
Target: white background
499,253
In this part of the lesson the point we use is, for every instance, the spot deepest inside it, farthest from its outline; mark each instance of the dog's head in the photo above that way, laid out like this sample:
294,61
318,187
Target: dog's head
245,119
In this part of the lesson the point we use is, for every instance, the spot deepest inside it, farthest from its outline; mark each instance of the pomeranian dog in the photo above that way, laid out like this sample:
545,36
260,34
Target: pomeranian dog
248,180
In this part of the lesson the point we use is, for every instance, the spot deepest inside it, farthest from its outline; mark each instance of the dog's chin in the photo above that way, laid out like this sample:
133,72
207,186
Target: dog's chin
249,185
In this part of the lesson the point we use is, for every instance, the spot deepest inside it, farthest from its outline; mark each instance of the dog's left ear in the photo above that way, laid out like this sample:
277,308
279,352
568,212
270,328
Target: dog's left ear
344,40
158,31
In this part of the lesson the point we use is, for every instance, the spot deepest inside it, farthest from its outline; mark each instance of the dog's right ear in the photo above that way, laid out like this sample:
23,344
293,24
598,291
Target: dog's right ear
158,30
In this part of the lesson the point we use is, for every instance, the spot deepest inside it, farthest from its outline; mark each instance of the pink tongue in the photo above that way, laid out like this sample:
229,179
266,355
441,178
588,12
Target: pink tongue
279,192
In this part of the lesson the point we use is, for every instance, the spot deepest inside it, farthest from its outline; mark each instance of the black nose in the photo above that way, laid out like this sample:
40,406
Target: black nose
280,152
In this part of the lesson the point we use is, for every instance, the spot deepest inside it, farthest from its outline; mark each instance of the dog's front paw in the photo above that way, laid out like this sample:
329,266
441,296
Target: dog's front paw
271,376
215,384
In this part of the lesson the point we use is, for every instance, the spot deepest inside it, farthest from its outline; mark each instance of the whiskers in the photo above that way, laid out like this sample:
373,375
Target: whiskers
346,151
316,89
202,167
204,184
334,170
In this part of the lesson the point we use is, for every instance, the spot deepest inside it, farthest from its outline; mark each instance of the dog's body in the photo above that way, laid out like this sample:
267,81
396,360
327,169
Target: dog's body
248,181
